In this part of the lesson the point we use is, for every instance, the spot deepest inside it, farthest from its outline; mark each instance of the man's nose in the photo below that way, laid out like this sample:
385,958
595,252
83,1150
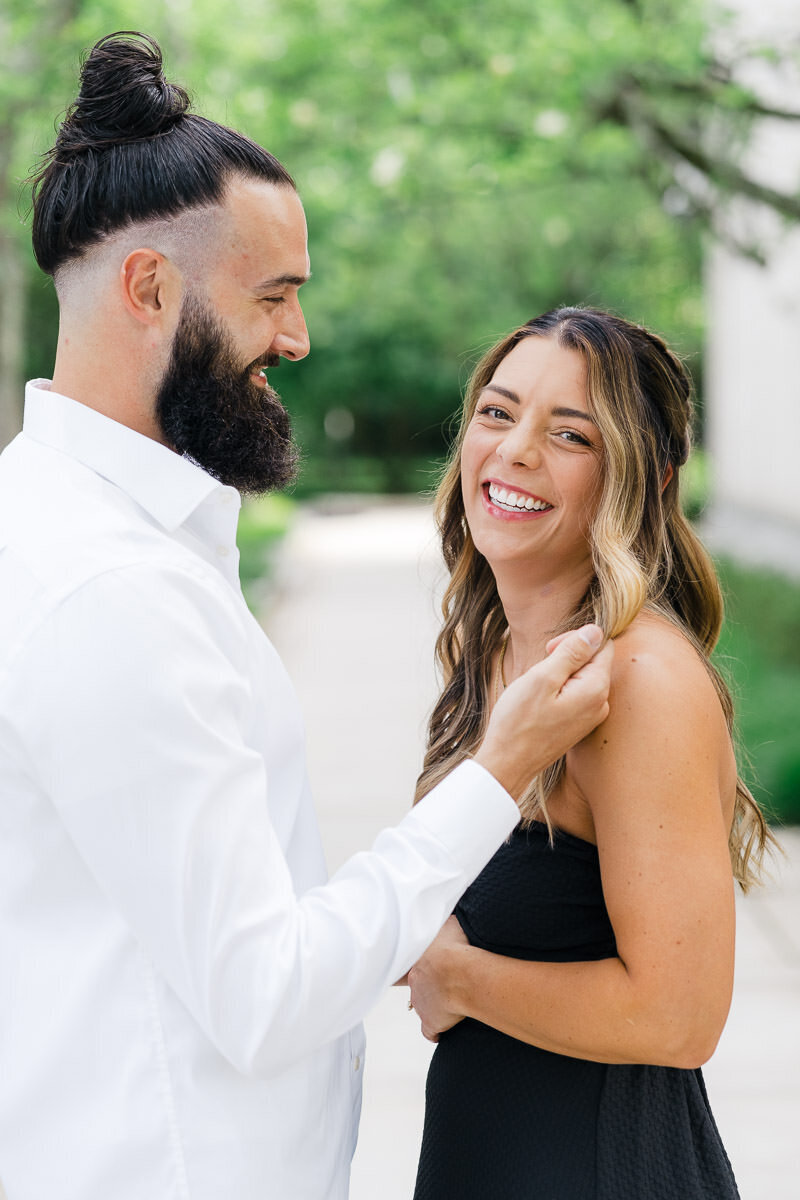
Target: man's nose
291,340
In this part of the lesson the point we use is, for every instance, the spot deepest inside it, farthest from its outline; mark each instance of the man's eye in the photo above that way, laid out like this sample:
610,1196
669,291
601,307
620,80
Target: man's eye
273,299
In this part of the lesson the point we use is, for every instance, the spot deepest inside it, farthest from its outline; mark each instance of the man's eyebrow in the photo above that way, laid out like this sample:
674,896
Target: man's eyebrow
556,412
282,281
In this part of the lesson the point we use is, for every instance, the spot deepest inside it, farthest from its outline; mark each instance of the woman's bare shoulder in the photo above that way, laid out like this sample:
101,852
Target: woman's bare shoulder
662,699
652,652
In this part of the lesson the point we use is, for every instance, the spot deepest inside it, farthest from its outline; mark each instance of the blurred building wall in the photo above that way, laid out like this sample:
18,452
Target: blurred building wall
753,349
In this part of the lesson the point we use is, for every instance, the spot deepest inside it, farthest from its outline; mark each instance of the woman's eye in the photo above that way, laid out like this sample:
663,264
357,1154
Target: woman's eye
492,410
571,435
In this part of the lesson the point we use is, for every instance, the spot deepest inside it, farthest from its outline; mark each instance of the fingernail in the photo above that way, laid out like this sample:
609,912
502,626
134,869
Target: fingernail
592,635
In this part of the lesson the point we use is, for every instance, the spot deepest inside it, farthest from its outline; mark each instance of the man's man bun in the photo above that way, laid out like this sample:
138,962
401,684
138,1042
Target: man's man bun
130,150
123,95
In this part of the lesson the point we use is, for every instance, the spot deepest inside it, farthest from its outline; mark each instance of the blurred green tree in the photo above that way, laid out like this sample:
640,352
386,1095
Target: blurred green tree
31,75
463,167
40,45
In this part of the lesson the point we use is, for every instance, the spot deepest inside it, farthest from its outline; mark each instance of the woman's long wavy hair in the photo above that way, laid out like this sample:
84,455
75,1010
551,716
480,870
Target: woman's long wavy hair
644,551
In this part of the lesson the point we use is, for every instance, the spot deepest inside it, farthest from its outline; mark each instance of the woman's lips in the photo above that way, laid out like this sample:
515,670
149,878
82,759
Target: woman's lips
502,500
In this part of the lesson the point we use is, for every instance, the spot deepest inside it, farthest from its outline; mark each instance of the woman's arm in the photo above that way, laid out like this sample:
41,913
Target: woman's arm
658,776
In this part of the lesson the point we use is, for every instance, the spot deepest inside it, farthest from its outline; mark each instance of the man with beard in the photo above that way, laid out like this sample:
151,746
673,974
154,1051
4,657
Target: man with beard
181,987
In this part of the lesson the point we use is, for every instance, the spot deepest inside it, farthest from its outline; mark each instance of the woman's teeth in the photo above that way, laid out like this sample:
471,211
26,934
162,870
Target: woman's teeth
514,503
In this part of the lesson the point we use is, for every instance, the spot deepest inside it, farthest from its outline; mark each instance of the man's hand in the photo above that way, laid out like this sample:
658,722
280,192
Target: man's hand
548,709
428,980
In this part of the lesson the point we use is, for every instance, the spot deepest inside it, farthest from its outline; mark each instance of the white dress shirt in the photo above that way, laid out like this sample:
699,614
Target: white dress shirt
180,988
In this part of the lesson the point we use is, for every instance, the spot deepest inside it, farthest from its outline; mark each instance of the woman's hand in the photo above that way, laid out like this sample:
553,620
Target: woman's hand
430,981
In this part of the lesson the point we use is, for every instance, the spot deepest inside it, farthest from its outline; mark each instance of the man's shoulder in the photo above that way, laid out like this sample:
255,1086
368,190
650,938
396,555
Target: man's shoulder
64,529
64,521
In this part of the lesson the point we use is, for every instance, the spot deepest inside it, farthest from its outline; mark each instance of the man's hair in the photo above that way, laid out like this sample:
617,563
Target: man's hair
130,150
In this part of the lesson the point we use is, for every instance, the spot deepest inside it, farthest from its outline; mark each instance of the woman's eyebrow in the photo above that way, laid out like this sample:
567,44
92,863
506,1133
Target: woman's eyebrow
556,412
573,412
501,391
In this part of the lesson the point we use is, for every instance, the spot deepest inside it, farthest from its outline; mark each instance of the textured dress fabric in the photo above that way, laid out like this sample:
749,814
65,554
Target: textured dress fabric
506,1119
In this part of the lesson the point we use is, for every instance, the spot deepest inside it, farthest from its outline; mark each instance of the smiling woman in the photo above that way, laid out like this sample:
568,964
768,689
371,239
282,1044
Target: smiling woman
531,460
594,424
588,973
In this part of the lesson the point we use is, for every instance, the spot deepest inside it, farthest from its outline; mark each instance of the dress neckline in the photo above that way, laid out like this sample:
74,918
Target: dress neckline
557,833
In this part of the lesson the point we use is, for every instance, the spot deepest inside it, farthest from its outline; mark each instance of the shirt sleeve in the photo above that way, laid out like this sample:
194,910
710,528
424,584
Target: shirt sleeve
132,703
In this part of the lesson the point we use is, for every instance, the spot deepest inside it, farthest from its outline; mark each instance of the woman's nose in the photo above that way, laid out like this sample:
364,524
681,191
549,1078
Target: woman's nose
519,447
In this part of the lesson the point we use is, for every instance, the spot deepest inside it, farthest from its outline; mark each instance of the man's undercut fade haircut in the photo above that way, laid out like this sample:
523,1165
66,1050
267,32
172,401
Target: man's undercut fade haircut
130,150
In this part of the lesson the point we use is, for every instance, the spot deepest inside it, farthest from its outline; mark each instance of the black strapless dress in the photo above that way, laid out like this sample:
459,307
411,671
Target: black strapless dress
504,1119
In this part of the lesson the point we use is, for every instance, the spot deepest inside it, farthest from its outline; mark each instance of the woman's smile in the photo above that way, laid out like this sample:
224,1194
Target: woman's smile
505,502
531,459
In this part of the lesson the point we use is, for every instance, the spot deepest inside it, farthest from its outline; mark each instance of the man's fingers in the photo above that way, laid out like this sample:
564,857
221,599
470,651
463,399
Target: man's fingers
590,684
560,637
556,641
551,707
572,651
597,668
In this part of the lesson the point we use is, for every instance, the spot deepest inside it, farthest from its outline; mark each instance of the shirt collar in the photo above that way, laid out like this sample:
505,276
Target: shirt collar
165,485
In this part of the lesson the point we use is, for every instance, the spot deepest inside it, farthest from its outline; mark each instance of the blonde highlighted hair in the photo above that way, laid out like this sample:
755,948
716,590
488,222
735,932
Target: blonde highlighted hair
644,551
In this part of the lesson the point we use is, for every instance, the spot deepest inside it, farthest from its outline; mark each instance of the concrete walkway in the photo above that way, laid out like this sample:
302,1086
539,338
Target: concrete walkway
354,618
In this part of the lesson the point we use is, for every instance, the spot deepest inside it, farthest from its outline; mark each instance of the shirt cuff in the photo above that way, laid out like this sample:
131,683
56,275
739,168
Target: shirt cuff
470,813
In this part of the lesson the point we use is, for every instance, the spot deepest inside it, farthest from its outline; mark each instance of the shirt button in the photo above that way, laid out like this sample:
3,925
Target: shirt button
223,551
356,1063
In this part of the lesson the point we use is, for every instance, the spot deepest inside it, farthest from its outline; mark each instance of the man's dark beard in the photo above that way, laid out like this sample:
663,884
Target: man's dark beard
209,409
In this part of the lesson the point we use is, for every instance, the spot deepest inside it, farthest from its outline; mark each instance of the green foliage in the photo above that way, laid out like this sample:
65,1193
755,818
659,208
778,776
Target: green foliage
759,651
459,177
262,524
367,474
463,168
695,484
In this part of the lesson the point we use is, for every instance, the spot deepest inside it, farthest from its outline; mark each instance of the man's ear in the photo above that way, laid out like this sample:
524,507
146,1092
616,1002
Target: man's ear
150,287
